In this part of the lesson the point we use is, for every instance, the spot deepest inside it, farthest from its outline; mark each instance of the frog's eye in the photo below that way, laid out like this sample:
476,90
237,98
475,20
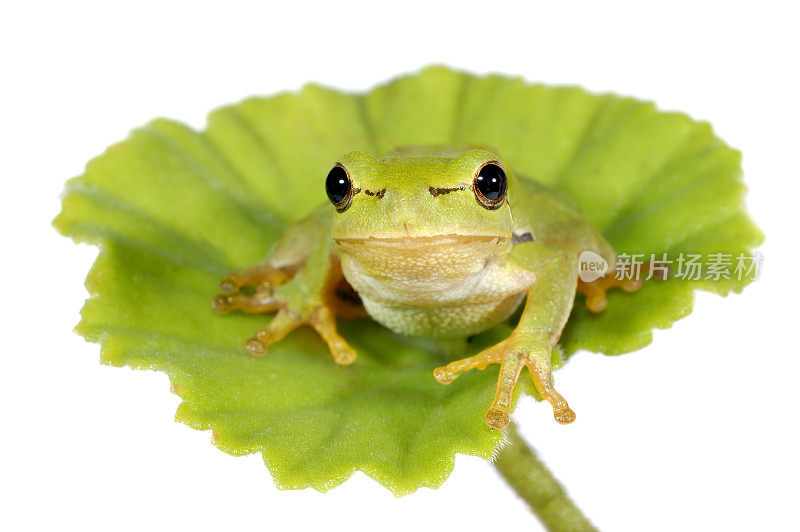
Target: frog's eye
490,185
339,187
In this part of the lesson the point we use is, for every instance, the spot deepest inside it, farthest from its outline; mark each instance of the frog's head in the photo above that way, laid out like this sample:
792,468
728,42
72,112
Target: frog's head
417,201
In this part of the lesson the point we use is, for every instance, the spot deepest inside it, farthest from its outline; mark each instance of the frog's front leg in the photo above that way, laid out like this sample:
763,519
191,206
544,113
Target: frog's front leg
307,298
549,302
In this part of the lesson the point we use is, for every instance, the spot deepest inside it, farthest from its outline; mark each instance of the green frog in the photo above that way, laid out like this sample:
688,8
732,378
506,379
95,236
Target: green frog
438,241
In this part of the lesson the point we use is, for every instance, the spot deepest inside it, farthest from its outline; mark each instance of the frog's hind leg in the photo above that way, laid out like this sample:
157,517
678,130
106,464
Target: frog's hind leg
595,291
255,304
262,277
287,256
261,280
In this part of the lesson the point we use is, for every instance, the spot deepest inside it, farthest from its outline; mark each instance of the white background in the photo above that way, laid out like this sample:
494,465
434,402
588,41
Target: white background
696,432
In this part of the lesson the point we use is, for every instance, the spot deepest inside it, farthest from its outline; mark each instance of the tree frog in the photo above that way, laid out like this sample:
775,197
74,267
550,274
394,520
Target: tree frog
440,241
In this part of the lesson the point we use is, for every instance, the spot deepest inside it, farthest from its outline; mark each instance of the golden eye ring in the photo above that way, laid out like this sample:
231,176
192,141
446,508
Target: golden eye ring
490,185
339,187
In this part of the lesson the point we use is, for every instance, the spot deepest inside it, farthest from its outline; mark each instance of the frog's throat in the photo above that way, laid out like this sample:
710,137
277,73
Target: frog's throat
428,258
449,285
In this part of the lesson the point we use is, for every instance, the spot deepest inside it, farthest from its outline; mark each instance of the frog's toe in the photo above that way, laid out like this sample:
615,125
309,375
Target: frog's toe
255,347
595,291
344,355
324,322
282,324
224,303
596,301
261,277
231,283
543,380
513,360
631,285
444,376
497,418
450,372
563,415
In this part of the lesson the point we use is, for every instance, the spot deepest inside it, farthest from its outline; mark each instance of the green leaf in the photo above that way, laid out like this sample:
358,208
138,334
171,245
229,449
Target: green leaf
174,209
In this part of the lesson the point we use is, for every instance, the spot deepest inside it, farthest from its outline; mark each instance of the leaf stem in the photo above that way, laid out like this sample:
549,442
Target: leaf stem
533,482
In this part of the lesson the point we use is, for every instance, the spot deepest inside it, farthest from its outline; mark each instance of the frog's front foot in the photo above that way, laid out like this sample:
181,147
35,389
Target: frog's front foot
285,321
293,310
512,354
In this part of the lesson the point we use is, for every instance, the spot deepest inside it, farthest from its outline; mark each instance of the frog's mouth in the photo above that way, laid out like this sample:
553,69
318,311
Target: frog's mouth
416,242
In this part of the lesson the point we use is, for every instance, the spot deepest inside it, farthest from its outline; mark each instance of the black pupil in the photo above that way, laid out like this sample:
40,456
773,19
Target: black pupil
491,182
337,185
